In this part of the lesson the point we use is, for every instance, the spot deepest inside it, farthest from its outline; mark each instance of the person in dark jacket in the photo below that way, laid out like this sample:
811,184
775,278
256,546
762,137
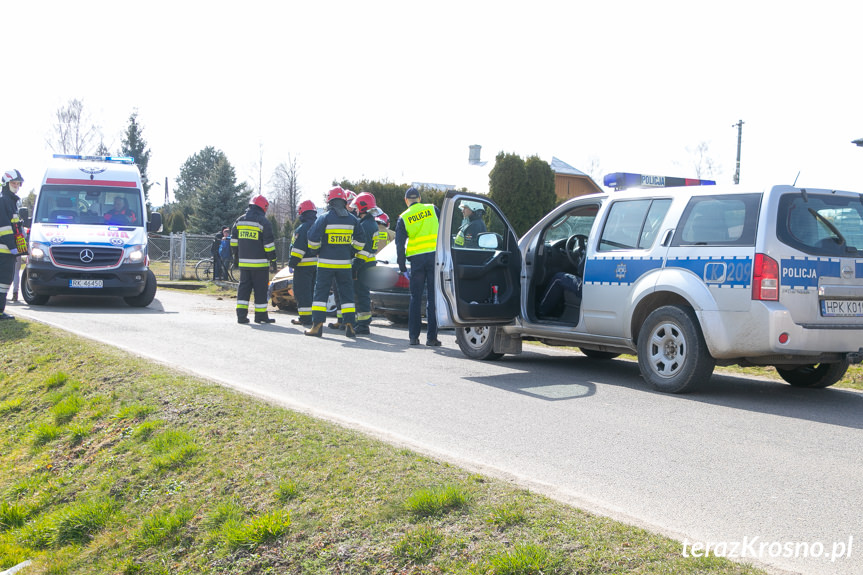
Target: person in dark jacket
214,251
10,227
366,207
254,250
472,224
304,262
337,234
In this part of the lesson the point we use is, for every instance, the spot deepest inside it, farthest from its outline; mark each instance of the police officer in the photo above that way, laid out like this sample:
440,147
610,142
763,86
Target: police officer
366,207
417,227
337,234
10,228
304,261
472,224
254,250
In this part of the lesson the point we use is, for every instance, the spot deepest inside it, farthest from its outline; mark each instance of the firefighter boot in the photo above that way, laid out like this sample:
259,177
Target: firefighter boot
242,318
316,331
362,329
337,324
349,331
263,318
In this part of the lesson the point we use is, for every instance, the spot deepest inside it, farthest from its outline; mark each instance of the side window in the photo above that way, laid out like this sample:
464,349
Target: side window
719,220
633,224
476,218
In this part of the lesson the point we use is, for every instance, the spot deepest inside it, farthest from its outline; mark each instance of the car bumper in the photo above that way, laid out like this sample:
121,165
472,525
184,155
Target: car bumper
125,281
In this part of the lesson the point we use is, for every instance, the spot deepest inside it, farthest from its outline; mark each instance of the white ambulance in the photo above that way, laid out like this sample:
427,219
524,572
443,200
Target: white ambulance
88,233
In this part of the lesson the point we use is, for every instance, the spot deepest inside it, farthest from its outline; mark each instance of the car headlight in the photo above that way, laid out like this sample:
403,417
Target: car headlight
38,251
136,254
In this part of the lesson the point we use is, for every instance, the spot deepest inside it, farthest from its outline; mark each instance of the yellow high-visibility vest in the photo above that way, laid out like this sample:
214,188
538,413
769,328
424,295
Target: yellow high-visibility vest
421,224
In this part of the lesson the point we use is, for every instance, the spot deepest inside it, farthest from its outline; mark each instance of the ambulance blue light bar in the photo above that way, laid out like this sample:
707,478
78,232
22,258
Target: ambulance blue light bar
623,180
117,159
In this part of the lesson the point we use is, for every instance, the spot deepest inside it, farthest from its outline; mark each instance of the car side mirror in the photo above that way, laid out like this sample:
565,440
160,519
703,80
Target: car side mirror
24,216
155,223
489,241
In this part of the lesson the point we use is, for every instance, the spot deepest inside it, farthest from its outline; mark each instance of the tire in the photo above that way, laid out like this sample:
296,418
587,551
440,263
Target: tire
814,376
396,318
600,355
146,297
477,342
204,270
29,296
229,269
672,354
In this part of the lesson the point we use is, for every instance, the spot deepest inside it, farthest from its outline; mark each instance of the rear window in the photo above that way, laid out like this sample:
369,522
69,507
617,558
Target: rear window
633,224
821,224
729,220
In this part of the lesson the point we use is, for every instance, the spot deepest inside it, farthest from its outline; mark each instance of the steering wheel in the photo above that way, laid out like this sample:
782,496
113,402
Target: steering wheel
575,250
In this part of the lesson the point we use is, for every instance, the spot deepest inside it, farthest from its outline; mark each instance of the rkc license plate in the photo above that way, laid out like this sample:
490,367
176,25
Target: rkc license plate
841,308
85,283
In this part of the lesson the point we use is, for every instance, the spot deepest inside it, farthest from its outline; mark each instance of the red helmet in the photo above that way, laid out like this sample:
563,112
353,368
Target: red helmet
261,202
384,219
337,193
350,195
364,202
306,206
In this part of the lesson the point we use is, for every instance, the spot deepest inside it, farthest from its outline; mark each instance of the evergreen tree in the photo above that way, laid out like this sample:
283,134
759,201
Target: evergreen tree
135,146
220,201
194,175
178,222
507,185
277,230
540,188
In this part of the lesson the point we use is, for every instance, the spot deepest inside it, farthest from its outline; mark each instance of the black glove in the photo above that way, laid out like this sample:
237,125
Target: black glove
273,266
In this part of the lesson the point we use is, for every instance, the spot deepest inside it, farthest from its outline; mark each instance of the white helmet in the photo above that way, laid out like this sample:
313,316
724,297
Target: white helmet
474,206
12,176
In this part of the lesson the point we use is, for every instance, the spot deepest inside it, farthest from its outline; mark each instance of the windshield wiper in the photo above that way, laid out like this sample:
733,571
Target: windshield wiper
830,226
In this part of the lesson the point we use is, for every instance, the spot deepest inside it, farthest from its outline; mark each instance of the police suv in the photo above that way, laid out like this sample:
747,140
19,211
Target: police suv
88,234
686,278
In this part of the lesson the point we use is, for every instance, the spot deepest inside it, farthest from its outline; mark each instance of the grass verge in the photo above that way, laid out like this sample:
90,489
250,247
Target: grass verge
110,464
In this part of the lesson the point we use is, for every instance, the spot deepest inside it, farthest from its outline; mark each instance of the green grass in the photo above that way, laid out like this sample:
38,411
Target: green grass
113,465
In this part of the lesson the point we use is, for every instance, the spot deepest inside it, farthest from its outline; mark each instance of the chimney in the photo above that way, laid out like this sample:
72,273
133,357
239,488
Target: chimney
473,157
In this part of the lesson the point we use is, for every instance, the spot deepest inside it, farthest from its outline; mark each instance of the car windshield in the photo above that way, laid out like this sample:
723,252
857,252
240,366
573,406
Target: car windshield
95,205
577,221
387,254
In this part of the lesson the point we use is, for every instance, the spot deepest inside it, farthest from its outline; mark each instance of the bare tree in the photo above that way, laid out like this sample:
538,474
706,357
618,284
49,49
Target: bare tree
73,132
703,163
286,191
594,170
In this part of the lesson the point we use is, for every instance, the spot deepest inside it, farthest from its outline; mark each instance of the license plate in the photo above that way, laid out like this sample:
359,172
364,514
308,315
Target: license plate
841,308
85,283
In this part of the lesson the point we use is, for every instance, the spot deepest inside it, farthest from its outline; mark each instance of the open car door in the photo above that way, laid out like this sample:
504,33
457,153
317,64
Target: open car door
478,263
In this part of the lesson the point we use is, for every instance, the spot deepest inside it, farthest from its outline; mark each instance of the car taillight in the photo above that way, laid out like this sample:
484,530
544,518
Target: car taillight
403,282
765,279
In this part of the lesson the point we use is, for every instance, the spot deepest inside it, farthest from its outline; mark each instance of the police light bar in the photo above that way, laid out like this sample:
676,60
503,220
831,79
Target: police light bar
118,159
623,180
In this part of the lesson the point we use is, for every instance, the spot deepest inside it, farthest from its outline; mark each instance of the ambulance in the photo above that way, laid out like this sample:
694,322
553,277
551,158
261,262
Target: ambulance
88,233
684,276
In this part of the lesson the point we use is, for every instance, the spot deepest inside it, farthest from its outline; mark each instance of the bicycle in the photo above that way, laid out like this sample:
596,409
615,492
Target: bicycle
204,270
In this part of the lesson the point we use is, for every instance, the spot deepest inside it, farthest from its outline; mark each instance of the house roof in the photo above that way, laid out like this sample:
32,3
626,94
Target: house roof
560,167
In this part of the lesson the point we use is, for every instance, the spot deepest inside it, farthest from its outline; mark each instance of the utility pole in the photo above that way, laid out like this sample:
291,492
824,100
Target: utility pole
739,126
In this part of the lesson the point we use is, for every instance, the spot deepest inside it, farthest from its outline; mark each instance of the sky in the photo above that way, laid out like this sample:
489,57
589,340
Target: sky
397,90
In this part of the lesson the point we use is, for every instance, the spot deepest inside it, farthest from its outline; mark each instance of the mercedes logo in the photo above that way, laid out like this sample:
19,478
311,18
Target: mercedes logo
86,256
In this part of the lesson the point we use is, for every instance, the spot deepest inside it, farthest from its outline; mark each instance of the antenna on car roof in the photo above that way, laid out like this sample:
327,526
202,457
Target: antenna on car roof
794,185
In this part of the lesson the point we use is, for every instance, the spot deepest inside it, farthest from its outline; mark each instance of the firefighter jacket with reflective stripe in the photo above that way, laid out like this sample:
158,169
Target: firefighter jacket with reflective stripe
418,227
336,235
370,228
301,254
9,223
252,240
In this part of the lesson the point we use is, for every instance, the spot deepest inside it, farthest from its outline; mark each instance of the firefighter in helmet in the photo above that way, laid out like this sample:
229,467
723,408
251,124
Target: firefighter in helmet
254,250
12,243
336,234
366,208
304,261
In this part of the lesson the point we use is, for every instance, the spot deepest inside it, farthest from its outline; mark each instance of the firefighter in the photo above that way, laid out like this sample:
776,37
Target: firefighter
339,324
12,243
385,234
366,207
416,240
254,250
337,234
304,261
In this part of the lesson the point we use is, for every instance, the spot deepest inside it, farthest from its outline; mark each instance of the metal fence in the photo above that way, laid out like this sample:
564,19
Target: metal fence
174,257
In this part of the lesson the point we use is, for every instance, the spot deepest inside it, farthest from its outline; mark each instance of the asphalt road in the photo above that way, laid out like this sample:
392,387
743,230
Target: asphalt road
744,461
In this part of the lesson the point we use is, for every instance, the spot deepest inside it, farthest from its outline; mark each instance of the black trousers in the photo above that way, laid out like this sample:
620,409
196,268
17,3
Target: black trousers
253,279
7,272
